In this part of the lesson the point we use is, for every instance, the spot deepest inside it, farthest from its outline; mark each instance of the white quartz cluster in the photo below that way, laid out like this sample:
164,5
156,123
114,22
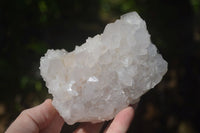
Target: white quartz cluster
106,74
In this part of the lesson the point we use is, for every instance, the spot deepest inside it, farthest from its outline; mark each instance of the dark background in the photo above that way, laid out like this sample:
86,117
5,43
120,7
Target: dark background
29,27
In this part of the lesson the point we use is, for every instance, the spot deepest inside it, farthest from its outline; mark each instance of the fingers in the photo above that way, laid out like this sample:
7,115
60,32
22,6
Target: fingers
89,128
42,114
34,119
122,121
54,126
23,124
120,124
44,118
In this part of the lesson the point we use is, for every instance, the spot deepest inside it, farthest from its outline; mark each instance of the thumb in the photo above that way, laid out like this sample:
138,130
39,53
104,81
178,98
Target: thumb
34,119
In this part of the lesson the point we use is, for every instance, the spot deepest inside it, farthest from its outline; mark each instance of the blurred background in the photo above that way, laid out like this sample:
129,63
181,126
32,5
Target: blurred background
29,27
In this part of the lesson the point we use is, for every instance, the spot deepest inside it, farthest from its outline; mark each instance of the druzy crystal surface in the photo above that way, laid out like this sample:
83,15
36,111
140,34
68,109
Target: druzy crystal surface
106,74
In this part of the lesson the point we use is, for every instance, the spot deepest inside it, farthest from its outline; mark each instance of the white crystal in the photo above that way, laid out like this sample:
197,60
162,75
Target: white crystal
104,75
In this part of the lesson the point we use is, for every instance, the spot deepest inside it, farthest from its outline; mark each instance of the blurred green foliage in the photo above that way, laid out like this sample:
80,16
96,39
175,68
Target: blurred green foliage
195,5
29,27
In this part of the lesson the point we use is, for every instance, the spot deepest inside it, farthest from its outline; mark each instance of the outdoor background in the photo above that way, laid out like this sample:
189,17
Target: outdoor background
29,27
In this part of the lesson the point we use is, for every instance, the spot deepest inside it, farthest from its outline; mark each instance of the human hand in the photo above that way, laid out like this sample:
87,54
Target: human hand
120,124
45,119
40,119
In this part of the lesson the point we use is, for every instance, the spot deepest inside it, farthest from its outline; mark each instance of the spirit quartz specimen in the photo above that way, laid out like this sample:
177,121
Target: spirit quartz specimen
106,74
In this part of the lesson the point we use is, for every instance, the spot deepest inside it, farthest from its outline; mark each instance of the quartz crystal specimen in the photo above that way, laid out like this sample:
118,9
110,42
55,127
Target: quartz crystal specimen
106,74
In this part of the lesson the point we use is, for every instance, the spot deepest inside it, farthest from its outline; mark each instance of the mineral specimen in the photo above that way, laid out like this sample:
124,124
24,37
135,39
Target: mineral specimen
104,75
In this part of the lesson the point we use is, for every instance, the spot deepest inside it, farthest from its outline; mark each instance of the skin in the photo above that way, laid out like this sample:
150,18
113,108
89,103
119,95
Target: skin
45,119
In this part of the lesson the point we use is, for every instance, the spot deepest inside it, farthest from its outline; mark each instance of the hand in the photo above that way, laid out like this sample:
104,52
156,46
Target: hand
40,119
120,124
45,119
